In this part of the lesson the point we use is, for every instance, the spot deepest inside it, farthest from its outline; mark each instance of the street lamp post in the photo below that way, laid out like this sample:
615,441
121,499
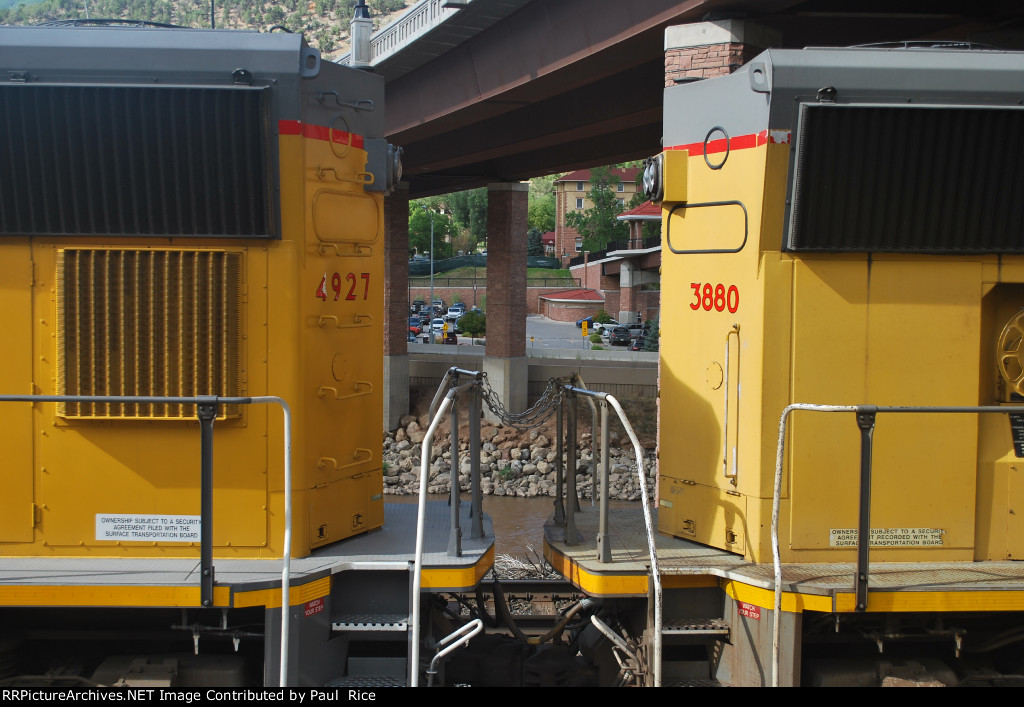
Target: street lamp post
431,325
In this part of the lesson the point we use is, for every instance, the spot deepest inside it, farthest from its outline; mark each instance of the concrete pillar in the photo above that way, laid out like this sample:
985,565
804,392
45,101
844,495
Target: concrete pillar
396,306
705,49
628,294
505,357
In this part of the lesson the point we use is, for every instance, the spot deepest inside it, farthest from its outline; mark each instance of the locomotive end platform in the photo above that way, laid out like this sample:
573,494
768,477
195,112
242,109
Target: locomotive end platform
174,582
895,586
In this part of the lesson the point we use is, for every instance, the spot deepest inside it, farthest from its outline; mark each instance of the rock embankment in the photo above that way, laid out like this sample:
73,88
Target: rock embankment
512,463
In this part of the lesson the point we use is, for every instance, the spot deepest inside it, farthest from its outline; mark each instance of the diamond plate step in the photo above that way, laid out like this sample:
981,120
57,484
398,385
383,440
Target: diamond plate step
368,681
371,622
695,627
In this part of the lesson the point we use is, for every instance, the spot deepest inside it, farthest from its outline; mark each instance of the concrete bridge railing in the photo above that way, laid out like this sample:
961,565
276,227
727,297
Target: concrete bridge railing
417,21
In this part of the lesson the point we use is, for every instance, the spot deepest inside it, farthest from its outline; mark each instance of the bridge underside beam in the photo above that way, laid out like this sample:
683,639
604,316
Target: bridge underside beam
558,86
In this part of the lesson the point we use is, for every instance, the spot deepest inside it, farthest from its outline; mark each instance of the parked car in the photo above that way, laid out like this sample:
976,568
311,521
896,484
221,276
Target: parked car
589,320
604,328
455,311
638,331
451,338
437,324
620,336
636,344
412,337
415,324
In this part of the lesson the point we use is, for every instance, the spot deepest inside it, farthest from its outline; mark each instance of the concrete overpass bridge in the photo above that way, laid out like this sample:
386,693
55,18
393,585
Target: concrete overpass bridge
493,92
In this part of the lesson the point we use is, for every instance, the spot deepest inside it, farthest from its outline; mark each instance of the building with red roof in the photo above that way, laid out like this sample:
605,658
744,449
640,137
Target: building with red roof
626,273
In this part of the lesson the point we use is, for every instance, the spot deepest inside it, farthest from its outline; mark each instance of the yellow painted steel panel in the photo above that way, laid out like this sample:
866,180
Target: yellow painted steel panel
108,596
341,305
127,467
998,481
792,602
704,514
346,507
454,578
594,584
935,601
271,598
16,322
293,343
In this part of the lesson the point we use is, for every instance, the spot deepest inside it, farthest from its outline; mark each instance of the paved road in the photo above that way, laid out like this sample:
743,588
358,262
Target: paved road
549,334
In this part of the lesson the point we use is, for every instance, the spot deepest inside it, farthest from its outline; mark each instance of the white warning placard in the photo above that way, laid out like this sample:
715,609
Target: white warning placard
888,537
144,528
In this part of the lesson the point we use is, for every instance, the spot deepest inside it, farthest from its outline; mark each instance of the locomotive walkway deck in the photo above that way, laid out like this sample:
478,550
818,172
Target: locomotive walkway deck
894,586
174,582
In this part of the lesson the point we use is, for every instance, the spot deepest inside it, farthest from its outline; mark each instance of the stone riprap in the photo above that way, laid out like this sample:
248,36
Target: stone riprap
512,463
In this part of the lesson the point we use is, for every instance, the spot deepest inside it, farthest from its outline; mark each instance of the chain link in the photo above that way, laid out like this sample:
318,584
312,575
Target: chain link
534,416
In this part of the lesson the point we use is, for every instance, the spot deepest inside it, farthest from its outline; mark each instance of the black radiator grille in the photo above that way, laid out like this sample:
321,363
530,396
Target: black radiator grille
129,160
909,179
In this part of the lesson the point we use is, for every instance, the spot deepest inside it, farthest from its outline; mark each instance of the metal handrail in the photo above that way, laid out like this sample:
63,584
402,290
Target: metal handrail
734,476
438,406
865,421
446,645
203,403
603,535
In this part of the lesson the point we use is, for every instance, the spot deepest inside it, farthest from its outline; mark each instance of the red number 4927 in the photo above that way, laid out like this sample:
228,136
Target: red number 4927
336,286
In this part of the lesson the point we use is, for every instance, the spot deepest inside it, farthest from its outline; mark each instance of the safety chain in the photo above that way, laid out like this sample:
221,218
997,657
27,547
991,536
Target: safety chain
532,417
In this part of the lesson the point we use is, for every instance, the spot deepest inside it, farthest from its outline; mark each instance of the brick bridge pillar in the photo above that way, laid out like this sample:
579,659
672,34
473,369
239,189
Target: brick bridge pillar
505,357
705,49
396,306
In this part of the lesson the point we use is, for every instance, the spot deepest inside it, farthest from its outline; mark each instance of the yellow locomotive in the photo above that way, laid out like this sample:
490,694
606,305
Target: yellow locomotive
204,224
196,216
840,376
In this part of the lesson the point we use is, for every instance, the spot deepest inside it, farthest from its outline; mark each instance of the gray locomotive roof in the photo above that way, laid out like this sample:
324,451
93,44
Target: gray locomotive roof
766,92
892,75
52,54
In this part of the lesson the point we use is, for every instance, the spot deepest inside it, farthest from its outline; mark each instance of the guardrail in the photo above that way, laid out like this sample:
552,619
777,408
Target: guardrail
206,413
416,22
564,514
481,282
444,399
865,416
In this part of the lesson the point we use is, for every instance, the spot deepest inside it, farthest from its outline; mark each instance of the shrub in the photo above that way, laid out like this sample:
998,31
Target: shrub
602,317
652,340
473,324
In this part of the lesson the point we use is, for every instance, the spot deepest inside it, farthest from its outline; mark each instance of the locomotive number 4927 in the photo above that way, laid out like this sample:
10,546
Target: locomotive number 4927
336,285
718,297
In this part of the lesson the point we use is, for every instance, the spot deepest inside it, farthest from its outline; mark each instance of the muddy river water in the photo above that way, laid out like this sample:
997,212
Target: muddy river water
518,522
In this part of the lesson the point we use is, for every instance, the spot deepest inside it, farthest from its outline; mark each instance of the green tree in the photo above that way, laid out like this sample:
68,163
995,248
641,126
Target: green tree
598,224
469,209
541,209
534,242
419,229
464,242
649,228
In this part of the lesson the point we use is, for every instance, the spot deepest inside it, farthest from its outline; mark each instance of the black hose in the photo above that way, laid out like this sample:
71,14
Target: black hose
501,608
481,609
